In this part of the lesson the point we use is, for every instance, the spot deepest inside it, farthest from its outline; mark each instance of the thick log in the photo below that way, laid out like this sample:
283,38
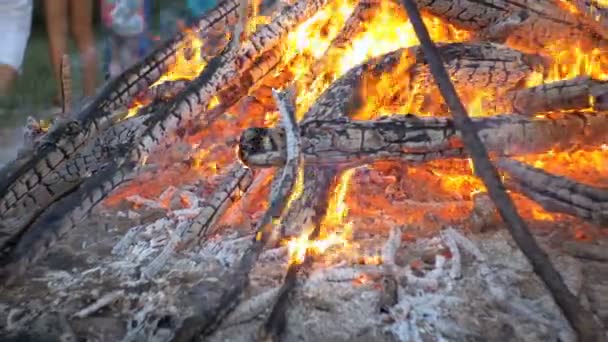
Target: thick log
531,25
64,179
159,128
579,93
421,139
64,139
557,194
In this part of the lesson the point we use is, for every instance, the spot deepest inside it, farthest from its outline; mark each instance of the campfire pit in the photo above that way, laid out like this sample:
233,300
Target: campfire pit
376,227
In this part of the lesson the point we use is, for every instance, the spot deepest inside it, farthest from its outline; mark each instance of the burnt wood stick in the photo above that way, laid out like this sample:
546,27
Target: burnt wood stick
67,137
207,319
414,139
286,103
557,194
66,85
236,181
582,321
578,93
166,90
158,128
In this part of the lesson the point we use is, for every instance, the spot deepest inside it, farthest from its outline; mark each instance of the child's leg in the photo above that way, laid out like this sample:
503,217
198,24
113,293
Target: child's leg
15,23
56,16
81,25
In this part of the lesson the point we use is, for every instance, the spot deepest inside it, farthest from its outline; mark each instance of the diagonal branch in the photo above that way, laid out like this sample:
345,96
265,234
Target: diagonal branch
581,320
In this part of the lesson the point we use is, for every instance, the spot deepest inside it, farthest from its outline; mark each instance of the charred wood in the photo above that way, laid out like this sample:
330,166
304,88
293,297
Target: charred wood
158,127
582,320
586,250
557,194
416,139
65,138
206,322
579,93
237,180
61,181
531,25
595,14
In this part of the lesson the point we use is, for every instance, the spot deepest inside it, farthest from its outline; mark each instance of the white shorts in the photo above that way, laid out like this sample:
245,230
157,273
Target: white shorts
15,26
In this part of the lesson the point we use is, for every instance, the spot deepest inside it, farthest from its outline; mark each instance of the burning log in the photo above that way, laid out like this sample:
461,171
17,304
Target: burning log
579,93
205,323
557,194
221,71
421,139
61,181
495,68
237,180
65,139
166,90
364,10
529,25
595,13
582,320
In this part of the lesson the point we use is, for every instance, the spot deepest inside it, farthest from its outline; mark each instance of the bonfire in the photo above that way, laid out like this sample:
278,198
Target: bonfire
309,172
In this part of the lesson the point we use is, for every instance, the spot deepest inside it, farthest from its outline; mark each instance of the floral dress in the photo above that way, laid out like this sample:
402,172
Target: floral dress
125,25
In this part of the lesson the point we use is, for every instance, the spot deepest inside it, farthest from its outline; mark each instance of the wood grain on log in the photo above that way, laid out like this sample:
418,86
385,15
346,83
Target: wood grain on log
64,139
237,180
531,25
557,194
579,93
415,139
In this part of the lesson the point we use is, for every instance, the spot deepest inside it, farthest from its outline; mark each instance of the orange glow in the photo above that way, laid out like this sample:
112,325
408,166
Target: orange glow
189,62
299,247
388,194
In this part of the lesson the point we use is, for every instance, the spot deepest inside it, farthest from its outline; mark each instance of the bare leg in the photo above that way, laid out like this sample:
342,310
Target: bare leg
8,75
81,26
56,15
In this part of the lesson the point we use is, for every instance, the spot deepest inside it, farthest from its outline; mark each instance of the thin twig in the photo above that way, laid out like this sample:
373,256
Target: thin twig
581,320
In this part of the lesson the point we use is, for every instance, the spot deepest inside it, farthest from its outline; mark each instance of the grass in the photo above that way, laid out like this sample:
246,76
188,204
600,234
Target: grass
34,90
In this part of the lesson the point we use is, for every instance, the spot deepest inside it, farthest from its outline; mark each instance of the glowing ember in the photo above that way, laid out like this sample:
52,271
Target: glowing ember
408,195
189,61
299,247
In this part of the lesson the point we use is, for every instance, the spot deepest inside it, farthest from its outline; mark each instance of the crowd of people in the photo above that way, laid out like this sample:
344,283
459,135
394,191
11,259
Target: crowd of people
126,36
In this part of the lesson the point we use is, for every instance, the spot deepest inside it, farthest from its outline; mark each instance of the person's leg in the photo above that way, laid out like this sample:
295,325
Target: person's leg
15,25
81,26
56,16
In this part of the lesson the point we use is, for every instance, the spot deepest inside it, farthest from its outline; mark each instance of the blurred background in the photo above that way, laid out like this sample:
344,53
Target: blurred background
34,91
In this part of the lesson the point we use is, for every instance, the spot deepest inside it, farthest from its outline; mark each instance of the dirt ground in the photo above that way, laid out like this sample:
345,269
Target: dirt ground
100,284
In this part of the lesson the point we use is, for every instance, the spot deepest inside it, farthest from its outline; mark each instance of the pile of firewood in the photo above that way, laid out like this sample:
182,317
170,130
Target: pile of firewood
53,186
